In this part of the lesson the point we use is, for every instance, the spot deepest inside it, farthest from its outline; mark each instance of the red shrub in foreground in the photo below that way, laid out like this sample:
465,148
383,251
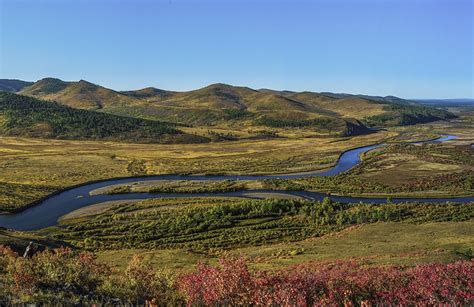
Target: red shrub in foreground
230,284
330,284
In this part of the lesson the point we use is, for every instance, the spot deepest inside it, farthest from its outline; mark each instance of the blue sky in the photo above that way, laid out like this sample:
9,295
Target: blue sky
408,48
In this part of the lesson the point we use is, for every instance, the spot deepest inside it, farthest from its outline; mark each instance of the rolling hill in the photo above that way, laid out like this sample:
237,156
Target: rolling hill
26,116
261,105
81,94
222,104
13,85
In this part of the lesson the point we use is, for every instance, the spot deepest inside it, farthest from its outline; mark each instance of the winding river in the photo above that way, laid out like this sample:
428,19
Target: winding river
47,212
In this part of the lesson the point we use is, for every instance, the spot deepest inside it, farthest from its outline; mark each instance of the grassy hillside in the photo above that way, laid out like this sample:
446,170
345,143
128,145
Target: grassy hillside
237,106
374,111
26,116
148,92
81,94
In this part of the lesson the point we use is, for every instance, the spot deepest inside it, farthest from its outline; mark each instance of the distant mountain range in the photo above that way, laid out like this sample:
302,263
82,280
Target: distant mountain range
447,102
13,85
222,104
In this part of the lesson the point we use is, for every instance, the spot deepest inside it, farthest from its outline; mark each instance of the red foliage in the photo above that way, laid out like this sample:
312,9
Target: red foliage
341,283
230,284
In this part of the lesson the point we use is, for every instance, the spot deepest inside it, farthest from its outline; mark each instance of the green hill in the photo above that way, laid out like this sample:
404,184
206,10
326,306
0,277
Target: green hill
148,92
374,111
222,104
25,116
13,85
81,94
219,103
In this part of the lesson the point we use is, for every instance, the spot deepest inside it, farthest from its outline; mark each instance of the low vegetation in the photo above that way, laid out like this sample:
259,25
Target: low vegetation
32,168
398,169
180,186
344,283
451,184
219,223
15,195
63,276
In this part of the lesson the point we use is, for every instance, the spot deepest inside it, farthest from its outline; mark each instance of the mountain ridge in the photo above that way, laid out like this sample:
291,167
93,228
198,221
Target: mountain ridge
224,104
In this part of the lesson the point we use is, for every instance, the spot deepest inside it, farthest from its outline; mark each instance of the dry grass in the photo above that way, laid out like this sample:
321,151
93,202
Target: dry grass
386,243
398,169
381,243
32,168
55,164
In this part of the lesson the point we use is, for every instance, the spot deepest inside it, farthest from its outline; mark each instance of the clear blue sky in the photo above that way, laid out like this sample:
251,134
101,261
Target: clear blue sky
408,48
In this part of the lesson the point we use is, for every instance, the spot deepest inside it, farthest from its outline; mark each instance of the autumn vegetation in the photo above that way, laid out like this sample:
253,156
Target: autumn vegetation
67,276
333,284
226,251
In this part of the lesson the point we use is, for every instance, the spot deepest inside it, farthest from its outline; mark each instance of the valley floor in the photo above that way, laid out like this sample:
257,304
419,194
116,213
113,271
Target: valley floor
175,234
34,168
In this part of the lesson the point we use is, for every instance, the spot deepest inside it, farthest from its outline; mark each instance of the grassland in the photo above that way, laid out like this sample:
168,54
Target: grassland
282,233
174,234
213,224
380,243
32,168
270,233
411,165
398,170
180,186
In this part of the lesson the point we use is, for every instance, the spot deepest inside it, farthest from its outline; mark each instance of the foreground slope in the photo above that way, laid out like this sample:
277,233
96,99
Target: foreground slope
26,116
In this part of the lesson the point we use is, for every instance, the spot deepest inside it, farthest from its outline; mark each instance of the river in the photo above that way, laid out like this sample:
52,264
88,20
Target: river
47,212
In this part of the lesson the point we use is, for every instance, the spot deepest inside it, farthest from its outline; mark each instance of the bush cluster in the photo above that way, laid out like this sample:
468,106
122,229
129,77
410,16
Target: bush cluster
214,223
335,284
63,276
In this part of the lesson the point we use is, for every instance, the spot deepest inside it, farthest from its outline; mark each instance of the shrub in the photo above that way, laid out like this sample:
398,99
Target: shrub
64,276
336,284
68,277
